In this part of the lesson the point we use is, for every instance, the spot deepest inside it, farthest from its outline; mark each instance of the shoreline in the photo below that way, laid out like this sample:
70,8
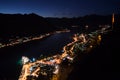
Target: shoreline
28,39
82,43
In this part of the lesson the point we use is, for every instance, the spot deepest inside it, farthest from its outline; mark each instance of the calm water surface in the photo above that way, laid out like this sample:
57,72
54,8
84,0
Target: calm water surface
10,56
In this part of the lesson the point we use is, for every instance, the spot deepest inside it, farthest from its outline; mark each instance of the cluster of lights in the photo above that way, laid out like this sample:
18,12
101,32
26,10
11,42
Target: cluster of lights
22,40
27,39
82,42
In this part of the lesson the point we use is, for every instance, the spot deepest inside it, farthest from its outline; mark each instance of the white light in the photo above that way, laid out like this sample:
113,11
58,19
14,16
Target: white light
33,59
25,60
56,69
69,58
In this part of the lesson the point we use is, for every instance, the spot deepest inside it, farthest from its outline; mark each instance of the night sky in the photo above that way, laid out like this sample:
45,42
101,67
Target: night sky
60,8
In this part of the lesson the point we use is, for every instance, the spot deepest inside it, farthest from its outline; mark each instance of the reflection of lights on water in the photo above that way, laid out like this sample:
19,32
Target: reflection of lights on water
85,42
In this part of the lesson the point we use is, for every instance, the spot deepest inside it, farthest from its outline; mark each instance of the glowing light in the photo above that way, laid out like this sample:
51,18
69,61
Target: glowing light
56,69
82,41
69,58
86,26
25,60
91,46
33,59
19,62
99,37
113,20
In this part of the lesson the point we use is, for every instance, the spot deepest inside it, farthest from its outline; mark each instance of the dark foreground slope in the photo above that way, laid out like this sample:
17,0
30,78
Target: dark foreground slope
99,64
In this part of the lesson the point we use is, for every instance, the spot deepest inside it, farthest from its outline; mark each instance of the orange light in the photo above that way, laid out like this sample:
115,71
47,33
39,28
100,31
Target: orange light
113,20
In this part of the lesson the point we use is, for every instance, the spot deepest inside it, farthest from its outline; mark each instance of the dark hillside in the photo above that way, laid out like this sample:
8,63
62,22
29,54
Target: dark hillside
23,25
103,62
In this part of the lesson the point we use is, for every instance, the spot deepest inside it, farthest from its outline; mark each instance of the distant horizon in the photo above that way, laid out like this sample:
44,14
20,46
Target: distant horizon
60,8
56,16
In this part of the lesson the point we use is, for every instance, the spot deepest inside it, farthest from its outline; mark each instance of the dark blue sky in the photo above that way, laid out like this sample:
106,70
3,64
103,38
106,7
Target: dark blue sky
60,8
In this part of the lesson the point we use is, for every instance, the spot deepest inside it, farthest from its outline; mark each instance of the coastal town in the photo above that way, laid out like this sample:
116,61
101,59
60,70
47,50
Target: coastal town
15,41
50,66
